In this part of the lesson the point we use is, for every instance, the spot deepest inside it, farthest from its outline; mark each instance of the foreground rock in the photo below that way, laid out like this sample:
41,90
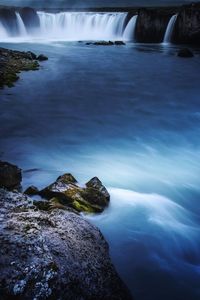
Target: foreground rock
185,52
52,255
65,191
10,176
13,62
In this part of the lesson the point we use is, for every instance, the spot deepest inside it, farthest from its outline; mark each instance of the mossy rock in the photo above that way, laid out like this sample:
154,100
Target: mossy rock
66,192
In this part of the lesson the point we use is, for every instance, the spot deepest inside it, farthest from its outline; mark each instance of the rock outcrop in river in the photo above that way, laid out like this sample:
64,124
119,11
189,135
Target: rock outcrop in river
13,62
54,254
65,192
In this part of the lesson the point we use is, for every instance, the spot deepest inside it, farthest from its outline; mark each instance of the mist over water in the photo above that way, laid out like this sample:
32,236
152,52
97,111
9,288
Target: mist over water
129,115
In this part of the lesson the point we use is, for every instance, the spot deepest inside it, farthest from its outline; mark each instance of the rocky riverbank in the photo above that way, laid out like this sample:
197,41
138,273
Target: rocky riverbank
13,62
53,253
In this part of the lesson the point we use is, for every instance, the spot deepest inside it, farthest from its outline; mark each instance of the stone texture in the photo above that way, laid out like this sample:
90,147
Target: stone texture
52,255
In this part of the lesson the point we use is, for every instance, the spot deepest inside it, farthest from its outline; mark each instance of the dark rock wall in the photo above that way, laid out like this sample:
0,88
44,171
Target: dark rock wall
151,25
30,18
187,27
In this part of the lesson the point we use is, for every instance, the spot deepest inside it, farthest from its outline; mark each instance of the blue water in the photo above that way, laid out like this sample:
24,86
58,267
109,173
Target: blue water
131,116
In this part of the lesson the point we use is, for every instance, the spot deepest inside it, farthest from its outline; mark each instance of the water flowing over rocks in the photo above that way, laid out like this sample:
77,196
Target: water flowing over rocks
13,62
52,255
150,27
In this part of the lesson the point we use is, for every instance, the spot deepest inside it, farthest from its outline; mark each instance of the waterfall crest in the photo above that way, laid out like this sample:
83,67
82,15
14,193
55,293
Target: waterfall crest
74,26
170,29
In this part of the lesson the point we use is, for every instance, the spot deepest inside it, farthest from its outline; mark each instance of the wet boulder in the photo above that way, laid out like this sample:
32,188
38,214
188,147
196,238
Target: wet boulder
104,43
119,43
90,198
96,184
53,254
42,57
10,176
31,191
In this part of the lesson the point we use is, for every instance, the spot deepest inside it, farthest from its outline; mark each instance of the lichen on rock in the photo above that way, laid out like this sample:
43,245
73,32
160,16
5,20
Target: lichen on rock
54,254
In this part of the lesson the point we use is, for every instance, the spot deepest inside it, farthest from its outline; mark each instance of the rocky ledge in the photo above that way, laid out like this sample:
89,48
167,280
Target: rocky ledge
54,253
13,62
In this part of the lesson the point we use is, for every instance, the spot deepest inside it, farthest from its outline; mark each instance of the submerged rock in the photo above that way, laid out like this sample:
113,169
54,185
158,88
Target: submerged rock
92,198
185,52
119,43
10,176
42,57
104,43
53,255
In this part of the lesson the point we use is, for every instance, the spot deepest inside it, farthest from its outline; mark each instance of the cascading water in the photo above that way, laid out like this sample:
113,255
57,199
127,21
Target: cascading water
3,32
169,30
21,26
129,32
74,26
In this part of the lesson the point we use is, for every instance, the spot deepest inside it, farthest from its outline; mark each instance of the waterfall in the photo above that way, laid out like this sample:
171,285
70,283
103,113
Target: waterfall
72,26
82,26
129,32
169,30
3,31
20,24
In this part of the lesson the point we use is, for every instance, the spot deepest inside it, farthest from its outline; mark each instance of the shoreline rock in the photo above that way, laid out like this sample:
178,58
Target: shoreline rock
53,254
13,62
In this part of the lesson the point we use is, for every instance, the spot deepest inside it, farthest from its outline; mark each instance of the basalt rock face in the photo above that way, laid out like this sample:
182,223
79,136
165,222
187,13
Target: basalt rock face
30,18
151,25
52,255
187,27
9,20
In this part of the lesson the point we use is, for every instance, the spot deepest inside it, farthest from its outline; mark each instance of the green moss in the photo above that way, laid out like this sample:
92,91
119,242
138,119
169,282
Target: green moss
82,207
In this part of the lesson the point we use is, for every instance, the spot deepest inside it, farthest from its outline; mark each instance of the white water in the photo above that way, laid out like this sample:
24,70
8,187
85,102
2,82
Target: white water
21,26
74,26
169,30
3,31
129,32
